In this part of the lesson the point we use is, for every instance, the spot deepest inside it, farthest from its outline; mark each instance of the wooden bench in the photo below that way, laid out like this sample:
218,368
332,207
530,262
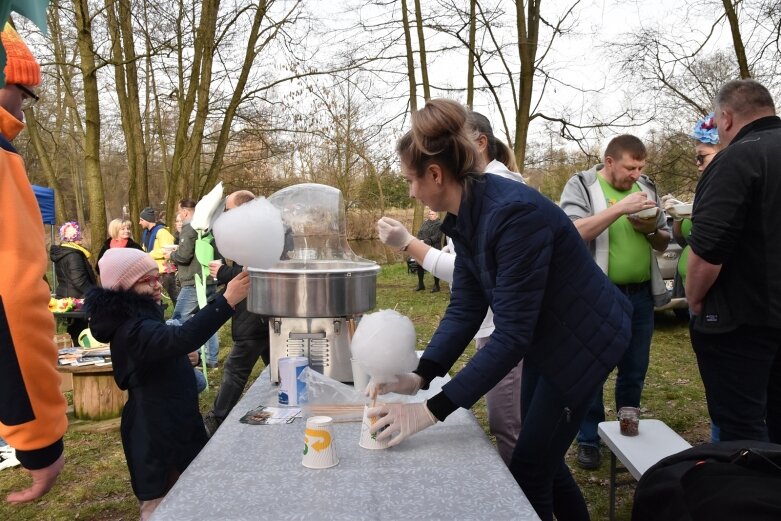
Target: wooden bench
654,441
95,393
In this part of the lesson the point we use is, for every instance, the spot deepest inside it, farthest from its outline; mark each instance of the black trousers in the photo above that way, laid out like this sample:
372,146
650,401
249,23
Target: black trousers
421,272
238,366
168,280
741,371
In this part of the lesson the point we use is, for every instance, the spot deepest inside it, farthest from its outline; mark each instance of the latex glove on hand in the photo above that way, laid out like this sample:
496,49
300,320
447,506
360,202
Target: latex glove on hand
393,233
405,383
398,421
668,201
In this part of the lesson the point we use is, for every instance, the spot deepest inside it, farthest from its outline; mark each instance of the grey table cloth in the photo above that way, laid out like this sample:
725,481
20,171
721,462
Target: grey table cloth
246,472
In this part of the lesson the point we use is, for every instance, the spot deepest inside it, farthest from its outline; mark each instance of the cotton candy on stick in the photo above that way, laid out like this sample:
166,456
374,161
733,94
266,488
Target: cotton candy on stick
384,345
251,234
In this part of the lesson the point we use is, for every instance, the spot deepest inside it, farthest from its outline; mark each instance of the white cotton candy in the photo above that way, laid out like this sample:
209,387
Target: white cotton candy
384,345
251,234
207,208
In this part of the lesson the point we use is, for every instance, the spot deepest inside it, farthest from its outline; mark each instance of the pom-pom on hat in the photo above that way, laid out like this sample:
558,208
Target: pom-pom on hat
148,214
21,67
70,232
120,268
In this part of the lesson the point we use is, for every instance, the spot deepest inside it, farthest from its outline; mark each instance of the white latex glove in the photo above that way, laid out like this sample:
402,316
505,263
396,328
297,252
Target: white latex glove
393,233
668,201
405,383
399,421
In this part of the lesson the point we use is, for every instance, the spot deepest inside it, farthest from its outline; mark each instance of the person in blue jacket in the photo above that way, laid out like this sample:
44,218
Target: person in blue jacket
553,307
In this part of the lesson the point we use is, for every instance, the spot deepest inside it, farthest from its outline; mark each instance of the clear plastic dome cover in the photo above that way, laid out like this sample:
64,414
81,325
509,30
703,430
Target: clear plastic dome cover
315,225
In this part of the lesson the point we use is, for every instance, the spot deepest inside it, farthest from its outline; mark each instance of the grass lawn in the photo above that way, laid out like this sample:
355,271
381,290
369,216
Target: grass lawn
95,484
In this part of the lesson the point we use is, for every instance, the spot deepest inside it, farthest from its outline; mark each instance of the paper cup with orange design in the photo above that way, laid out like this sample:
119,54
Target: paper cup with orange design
369,440
319,449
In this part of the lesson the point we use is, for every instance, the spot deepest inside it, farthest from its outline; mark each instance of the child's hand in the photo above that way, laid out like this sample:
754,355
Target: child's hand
237,289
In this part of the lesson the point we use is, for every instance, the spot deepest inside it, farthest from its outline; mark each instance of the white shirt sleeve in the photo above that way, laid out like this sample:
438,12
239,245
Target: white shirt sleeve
440,264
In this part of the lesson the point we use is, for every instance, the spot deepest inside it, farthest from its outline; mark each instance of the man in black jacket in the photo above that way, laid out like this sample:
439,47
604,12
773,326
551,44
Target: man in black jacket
187,266
733,283
250,337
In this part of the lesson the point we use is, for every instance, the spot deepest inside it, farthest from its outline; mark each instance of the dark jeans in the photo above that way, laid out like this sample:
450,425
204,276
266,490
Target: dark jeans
538,463
741,371
631,369
238,366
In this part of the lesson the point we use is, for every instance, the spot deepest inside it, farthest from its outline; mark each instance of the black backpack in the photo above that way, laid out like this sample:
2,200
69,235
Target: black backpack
734,480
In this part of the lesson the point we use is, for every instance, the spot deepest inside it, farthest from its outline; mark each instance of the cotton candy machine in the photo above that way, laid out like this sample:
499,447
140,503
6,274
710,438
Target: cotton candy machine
311,295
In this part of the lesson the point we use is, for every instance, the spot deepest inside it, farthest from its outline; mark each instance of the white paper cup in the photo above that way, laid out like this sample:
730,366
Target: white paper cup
171,247
368,440
319,449
360,376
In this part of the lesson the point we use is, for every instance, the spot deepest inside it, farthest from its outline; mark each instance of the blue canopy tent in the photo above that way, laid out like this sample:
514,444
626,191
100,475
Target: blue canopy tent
45,197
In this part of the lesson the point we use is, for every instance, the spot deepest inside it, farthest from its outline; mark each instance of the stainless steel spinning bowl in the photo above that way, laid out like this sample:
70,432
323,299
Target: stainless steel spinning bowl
326,288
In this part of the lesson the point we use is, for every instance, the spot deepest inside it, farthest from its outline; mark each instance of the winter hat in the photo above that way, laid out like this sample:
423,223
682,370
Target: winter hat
148,214
70,232
21,68
120,268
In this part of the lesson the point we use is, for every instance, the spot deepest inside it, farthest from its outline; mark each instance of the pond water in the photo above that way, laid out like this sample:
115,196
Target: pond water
371,249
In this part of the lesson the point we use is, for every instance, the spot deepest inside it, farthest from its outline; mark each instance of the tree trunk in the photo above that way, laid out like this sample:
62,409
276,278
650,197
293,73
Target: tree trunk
528,34
422,47
193,96
134,107
46,164
737,41
470,62
92,173
238,92
413,95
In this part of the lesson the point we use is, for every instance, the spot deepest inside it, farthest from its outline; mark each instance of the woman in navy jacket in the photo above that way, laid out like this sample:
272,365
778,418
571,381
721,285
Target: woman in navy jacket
553,307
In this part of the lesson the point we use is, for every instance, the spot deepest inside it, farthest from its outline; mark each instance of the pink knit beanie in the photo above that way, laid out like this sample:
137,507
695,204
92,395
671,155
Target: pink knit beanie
120,268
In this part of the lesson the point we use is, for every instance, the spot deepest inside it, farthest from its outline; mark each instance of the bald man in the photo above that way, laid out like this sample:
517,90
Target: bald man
733,283
250,337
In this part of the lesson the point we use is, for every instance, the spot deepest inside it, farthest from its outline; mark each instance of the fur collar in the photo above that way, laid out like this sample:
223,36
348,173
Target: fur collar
108,309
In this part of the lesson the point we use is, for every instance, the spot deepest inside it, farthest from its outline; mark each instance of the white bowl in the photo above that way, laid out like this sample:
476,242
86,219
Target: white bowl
171,247
683,210
646,214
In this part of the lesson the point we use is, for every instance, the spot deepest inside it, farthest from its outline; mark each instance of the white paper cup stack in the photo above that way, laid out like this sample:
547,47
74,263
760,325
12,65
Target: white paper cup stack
369,440
319,449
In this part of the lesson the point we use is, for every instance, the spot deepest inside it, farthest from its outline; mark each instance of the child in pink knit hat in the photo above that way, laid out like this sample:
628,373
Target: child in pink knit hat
162,428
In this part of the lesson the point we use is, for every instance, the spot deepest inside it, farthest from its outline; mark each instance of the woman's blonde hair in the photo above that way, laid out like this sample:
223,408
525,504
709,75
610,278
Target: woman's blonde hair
439,135
115,225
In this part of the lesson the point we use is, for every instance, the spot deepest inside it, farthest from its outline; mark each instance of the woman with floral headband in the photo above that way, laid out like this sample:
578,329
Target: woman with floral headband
707,146
75,276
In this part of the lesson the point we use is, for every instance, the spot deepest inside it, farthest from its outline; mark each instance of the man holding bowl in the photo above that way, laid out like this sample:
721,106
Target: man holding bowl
616,210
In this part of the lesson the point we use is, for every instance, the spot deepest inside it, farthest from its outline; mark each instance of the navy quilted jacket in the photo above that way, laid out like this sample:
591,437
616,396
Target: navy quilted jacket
553,307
